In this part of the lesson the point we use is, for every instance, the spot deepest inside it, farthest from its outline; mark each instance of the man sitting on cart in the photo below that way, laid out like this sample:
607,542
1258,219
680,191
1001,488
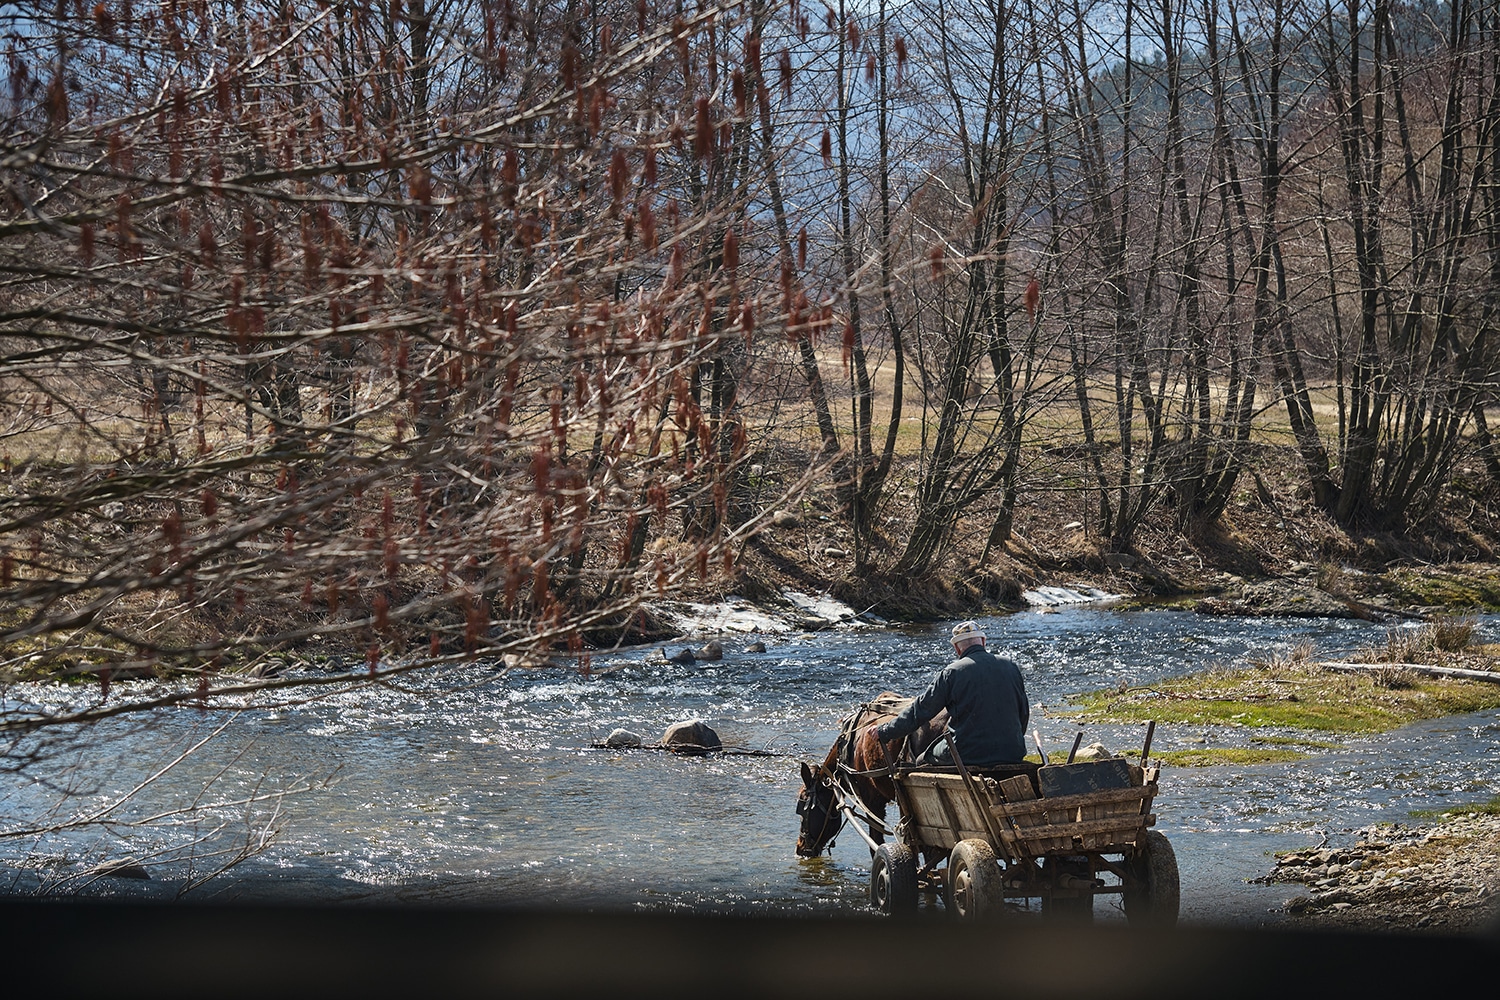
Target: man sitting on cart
986,701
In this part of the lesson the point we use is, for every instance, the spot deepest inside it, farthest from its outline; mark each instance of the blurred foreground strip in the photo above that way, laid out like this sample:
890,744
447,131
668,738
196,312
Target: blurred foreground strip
132,949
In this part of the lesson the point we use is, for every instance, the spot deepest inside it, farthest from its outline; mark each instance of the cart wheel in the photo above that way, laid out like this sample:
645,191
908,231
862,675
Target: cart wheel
1074,909
973,888
1157,895
893,880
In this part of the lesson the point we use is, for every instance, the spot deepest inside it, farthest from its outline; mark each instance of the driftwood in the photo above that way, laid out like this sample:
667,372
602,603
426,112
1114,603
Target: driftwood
1489,676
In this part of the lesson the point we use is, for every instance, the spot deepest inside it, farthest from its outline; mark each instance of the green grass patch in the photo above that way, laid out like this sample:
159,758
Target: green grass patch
1449,588
1490,808
1292,696
1211,756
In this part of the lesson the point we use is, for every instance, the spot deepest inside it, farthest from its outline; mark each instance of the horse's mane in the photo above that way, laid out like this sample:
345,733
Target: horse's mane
860,754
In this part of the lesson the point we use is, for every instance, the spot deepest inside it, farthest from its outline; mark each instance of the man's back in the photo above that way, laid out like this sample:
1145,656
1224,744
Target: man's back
987,709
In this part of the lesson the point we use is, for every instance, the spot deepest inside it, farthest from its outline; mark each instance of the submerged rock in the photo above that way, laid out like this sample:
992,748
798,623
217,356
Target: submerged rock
681,656
693,736
756,647
712,650
124,868
622,738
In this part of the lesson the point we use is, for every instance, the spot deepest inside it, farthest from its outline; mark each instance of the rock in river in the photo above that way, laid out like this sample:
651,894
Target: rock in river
694,736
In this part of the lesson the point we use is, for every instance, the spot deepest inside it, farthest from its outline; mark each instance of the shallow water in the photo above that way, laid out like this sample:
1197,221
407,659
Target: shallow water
473,785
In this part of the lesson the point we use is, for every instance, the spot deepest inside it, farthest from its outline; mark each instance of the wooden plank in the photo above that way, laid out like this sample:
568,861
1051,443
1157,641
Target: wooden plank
1119,795
942,837
948,814
1017,789
1026,823
1075,829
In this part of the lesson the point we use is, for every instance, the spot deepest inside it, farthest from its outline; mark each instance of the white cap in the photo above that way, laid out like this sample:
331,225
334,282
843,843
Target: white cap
964,631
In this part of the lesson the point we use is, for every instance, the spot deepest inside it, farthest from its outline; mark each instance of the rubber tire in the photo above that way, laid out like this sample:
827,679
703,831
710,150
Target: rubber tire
973,890
1073,909
1157,901
893,880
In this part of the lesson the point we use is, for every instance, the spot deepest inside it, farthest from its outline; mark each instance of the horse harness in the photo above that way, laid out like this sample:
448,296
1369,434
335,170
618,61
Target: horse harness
843,758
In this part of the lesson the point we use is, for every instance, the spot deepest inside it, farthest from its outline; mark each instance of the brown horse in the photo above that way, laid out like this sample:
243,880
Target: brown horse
857,761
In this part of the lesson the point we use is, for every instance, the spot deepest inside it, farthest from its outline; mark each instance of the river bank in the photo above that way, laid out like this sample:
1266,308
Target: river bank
1439,878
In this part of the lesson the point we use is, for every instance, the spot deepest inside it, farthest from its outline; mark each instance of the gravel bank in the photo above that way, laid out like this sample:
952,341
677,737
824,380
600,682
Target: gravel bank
1439,878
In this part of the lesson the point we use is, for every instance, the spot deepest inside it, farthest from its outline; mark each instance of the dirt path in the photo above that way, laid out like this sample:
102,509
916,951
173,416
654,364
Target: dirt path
1439,878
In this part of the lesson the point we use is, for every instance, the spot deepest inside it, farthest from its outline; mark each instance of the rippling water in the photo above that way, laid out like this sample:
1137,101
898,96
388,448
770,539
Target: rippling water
474,785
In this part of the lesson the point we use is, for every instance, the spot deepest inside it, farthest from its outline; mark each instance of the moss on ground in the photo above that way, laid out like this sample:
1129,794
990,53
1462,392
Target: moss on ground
1210,756
1490,808
1454,588
1293,697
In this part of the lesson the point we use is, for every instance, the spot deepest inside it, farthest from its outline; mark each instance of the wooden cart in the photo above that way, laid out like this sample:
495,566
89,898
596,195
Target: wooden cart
1062,834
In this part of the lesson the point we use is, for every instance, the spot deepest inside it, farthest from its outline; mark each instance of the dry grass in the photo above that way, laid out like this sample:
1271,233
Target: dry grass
1431,642
1452,635
1279,665
1394,678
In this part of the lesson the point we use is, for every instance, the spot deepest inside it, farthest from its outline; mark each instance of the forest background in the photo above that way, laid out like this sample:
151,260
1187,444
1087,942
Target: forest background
427,331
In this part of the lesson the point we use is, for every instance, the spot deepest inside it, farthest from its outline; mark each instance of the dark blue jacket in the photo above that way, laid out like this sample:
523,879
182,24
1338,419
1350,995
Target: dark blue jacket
987,709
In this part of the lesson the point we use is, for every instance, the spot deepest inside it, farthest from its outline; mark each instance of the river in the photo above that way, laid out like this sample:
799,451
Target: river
474,785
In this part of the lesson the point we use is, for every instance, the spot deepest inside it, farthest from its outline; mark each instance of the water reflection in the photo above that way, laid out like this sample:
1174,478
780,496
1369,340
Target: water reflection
473,786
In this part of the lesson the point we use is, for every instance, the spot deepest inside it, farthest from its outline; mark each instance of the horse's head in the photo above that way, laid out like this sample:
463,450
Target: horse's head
821,818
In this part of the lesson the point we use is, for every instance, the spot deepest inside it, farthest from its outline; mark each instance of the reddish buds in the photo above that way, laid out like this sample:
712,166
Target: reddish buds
648,225
702,130
619,175
731,250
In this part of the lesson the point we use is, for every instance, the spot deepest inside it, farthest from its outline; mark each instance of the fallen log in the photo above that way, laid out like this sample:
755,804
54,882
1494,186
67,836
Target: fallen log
1489,676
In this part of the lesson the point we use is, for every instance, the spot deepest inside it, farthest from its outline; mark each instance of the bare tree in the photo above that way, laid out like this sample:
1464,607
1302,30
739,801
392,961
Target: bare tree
385,325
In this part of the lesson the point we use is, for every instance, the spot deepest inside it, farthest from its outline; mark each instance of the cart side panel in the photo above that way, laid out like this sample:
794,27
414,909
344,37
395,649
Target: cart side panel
942,811
1100,821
